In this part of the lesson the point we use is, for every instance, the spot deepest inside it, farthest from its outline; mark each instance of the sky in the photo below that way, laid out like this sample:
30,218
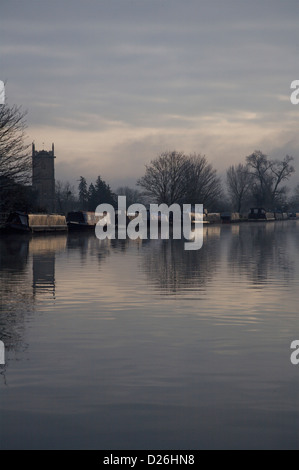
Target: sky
113,83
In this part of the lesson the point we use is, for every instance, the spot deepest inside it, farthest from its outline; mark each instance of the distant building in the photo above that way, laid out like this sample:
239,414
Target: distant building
43,179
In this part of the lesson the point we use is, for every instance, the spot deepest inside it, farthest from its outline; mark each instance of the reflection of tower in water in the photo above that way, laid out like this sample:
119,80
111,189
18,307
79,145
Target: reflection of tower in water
43,251
44,273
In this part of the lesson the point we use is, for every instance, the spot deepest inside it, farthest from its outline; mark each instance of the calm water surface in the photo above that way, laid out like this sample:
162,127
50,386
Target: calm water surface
131,344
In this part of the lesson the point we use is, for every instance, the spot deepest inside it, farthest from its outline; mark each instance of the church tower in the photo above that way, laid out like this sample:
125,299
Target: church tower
43,178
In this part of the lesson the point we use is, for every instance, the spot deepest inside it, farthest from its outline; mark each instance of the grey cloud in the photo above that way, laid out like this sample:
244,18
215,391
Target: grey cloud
94,65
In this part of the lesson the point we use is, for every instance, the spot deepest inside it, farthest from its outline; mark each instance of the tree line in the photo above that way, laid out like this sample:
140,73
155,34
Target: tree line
171,177
88,196
174,177
260,181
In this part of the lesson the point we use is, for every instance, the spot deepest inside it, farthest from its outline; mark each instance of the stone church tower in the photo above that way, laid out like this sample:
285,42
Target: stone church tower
43,179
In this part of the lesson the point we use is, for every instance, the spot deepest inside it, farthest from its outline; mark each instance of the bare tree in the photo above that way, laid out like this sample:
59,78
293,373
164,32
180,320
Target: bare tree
174,177
281,171
239,181
65,197
294,200
203,186
132,195
15,161
165,178
268,176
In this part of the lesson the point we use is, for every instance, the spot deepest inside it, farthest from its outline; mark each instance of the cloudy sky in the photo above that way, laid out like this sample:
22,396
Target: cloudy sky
115,82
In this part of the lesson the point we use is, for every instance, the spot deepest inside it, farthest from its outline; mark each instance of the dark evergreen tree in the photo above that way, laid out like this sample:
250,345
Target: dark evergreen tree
99,193
92,199
83,193
103,192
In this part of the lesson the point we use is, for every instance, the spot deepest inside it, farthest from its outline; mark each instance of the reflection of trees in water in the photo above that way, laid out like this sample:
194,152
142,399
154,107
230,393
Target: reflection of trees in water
19,287
80,242
294,231
13,253
120,245
15,294
88,245
259,249
172,269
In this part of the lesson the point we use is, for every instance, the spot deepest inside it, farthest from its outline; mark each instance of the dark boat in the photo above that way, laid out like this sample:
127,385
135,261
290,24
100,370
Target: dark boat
81,220
29,223
230,217
259,213
281,216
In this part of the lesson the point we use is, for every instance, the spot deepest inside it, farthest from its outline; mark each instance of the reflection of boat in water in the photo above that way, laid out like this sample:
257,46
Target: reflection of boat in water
47,244
81,220
21,222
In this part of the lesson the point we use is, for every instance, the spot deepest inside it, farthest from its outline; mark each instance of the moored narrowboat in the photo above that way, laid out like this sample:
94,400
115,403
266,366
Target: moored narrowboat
81,220
21,222
259,213
230,217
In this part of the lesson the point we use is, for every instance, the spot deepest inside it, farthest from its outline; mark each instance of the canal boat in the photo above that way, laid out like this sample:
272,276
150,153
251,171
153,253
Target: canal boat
260,214
81,220
230,217
28,223
281,216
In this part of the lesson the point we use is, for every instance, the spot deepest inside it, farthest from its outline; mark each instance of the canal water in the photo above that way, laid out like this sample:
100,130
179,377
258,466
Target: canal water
142,345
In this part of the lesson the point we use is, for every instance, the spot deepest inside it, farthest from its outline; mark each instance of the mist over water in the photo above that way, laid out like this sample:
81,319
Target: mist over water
126,344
